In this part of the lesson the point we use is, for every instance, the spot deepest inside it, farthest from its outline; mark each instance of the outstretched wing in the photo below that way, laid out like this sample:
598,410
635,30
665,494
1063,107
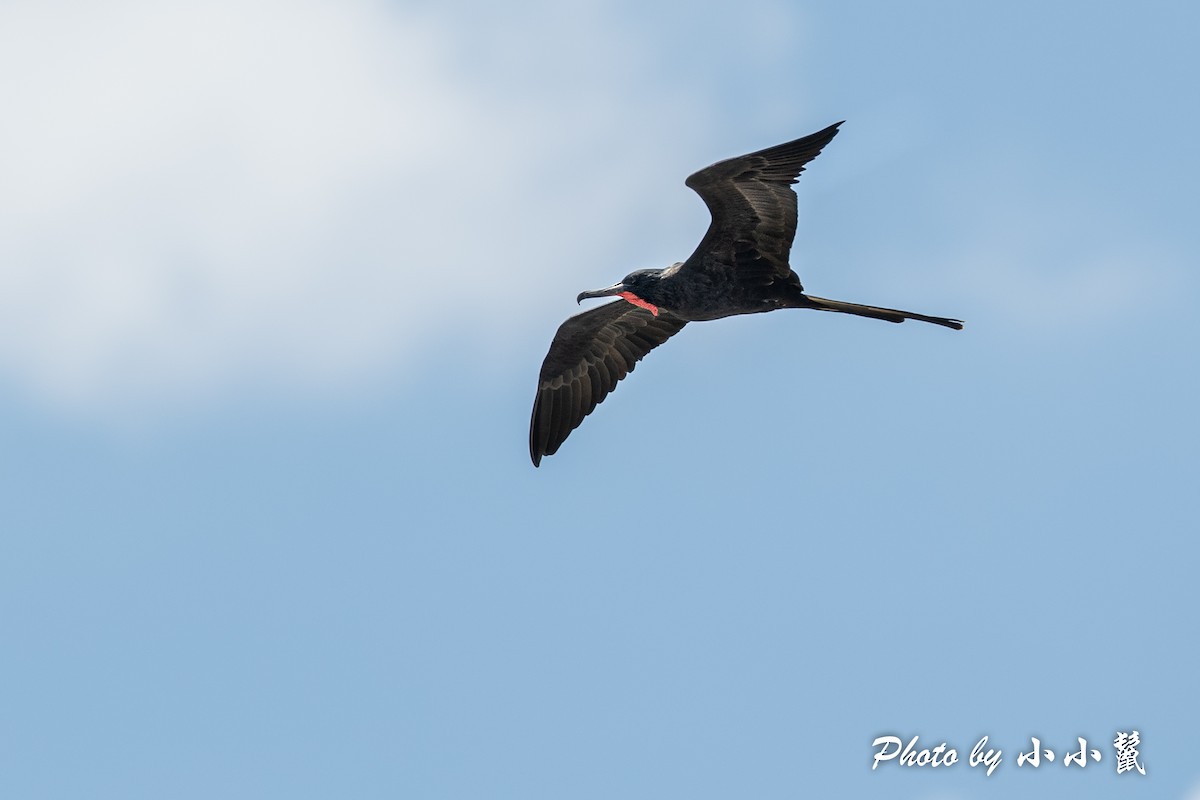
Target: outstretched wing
589,354
753,210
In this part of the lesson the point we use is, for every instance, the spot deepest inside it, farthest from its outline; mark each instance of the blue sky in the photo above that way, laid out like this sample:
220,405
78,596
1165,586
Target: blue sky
275,283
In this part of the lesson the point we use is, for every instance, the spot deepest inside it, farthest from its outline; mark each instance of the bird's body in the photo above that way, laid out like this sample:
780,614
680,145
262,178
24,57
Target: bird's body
741,266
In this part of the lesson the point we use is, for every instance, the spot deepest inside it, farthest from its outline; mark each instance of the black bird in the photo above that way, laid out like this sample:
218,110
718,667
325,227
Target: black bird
740,267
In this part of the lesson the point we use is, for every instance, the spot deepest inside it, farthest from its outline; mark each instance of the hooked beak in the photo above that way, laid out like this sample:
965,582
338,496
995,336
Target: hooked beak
611,291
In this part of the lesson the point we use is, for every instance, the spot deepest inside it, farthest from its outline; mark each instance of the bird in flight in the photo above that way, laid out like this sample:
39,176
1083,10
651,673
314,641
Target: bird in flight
740,267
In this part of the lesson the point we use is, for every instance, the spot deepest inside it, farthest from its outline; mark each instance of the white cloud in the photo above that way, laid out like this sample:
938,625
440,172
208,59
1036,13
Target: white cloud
199,195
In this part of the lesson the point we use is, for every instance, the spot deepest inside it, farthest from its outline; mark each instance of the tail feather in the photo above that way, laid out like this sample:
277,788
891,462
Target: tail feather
874,312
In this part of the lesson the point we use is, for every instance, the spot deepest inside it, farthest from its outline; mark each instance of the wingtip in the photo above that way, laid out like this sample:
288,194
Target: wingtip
535,453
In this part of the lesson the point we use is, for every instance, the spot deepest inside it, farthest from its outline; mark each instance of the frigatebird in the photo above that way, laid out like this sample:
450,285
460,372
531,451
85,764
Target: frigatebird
740,267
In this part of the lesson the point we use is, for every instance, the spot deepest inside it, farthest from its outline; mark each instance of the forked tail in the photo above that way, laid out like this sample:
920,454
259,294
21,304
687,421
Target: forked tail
874,312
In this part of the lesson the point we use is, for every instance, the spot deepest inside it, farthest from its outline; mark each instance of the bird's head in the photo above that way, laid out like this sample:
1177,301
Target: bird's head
639,287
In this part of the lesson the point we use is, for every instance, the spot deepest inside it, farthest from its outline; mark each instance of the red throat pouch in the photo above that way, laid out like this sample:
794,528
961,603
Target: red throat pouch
639,302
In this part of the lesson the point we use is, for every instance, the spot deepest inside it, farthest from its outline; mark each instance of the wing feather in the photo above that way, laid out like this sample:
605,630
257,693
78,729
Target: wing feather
753,209
590,353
